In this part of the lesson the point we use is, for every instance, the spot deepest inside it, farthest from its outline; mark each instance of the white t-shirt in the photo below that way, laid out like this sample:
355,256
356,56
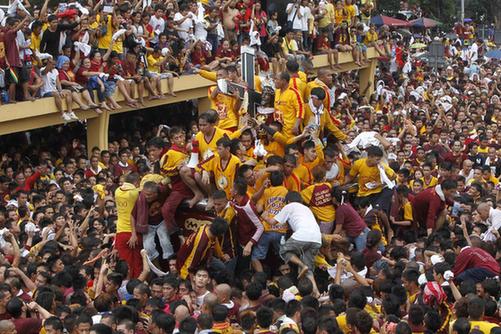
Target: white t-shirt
49,81
298,23
305,18
473,52
302,222
158,26
185,26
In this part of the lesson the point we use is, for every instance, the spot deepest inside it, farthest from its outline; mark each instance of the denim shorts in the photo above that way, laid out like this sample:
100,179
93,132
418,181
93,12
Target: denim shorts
260,250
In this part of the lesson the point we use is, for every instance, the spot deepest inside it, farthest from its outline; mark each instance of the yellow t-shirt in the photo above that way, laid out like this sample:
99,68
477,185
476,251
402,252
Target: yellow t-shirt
154,63
339,16
483,150
303,174
483,326
273,200
367,175
289,46
104,41
208,148
298,85
290,107
293,182
433,182
223,175
370,37
125,198
225,107
170,162
318,198
328,18
408,211
350,13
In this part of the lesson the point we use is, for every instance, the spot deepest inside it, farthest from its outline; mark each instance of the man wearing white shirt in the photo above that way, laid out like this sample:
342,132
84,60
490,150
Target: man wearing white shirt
307,16
473,52
184,21
492,217
158,23
306,240
467,170
295,12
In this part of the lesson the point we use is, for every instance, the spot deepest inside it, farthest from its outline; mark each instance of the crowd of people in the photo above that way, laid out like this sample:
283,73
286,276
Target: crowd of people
331,210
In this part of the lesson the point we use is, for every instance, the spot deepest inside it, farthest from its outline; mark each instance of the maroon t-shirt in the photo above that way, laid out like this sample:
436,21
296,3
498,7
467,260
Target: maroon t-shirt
11,48
371,256
28,325
352,223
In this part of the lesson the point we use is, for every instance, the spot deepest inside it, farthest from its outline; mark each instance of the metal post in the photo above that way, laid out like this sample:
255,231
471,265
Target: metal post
248,61
462,11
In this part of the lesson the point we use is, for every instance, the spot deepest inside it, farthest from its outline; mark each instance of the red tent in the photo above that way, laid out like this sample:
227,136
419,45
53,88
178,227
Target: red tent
423,22
380,20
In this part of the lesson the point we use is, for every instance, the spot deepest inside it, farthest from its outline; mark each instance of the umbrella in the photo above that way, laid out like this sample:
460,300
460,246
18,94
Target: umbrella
404,32
451,36
380,20
418,46
496,54
424,23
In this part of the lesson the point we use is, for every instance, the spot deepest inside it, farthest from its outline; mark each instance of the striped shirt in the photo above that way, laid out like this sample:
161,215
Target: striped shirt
195,251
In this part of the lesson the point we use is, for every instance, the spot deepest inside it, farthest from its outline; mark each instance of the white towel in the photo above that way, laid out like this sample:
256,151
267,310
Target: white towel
384,178
83,47
117,34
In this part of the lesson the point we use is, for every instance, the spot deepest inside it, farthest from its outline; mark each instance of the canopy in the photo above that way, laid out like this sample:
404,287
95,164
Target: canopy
380,20
496,54
423,22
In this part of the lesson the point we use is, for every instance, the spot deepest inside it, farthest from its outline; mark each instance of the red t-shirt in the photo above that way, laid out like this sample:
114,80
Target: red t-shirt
28,325
474,257
352,223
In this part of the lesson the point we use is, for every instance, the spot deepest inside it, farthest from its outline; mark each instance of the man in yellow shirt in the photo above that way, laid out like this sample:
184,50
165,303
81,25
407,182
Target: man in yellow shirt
318,117
288,105
313,155
227,106
223,166
476,309
156,67
370,180
127,242
318,198
289,45
326,22
270,201
296,82
228,242
351,13
205,145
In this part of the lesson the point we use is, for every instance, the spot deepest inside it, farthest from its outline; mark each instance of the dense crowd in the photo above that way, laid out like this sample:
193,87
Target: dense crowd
331,210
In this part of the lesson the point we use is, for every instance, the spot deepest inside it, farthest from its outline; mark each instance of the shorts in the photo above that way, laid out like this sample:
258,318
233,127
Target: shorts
306,251
326,227
260,250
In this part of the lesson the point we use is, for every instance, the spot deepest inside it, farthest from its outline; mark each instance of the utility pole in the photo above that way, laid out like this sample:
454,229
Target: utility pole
462,11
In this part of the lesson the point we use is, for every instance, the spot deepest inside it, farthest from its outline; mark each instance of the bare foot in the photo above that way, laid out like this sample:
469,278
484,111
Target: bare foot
98,111
105,106
197,198
117,106
172,94
302,272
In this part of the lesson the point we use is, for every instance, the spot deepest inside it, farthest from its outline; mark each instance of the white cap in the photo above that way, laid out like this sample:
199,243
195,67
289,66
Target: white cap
436,259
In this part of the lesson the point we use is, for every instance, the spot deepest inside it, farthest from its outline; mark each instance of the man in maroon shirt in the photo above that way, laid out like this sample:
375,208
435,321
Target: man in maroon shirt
429,205
12,25
473,263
